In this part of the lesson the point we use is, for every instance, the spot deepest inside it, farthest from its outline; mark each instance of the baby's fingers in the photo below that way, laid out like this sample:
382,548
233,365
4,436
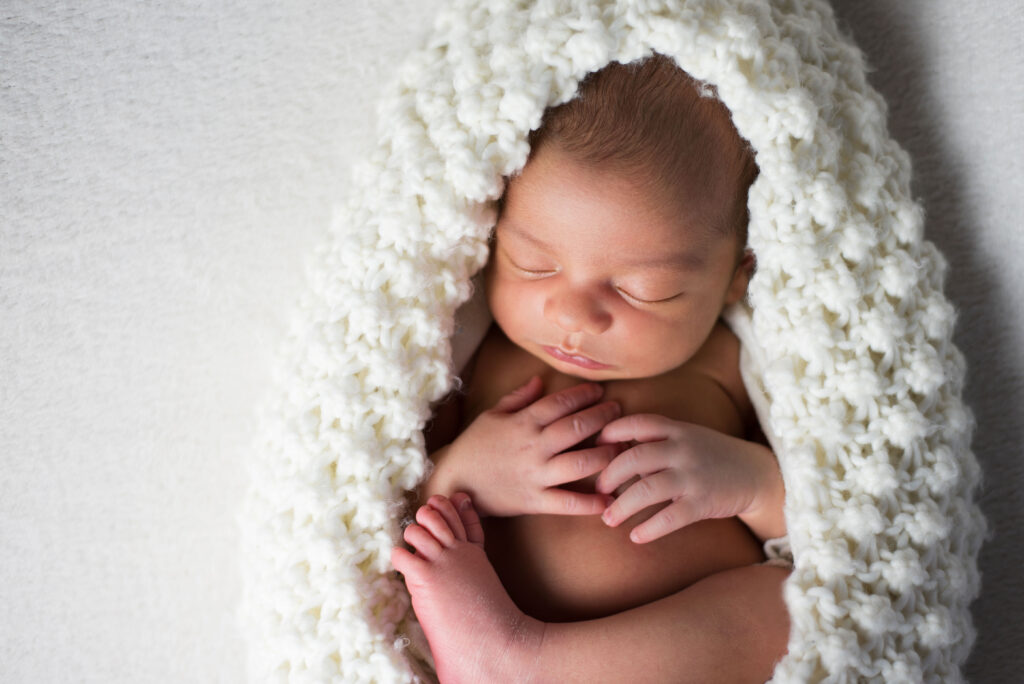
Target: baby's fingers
521,397
555,501
675,516
648,491
564,402
638,427
573,429
576,465
640,460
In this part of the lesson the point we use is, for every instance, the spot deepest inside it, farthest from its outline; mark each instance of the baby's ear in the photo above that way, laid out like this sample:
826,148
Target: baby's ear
741,277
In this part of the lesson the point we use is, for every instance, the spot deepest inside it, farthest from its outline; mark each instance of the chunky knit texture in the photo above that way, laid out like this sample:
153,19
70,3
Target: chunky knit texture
850,328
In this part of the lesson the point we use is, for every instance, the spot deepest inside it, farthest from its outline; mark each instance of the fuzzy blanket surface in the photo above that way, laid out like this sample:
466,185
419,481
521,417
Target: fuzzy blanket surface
848,339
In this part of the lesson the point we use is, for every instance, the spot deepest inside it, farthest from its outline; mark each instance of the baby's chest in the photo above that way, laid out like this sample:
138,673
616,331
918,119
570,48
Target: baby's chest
572,567
689,393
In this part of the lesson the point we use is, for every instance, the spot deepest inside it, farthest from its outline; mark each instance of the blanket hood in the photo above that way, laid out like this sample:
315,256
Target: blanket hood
846,317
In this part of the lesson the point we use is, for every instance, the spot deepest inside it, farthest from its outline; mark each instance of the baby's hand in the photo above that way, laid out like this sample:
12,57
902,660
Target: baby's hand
510,457
700,472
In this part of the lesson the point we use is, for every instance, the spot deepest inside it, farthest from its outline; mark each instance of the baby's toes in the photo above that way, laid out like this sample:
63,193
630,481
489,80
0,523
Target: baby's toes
406,563
470,518
447,510
423,541
430,518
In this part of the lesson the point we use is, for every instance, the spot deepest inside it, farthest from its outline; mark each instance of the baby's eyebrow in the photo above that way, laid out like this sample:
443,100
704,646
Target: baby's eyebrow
686,261
512,229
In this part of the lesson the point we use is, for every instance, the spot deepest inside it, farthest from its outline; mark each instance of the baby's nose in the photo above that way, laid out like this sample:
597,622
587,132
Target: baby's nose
575,311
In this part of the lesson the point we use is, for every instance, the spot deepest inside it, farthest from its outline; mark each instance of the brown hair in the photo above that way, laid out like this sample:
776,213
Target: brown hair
654,123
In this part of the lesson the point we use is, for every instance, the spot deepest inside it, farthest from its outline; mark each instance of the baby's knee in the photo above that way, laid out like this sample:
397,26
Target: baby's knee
754,594
766,605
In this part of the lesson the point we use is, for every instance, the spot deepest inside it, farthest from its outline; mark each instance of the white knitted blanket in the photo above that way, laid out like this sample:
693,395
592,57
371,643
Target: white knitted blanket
849,341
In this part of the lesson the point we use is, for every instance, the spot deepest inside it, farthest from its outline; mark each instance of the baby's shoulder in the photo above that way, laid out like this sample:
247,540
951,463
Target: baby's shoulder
719,357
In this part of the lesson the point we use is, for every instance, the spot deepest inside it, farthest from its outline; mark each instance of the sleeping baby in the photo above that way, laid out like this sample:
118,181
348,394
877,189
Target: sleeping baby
602,491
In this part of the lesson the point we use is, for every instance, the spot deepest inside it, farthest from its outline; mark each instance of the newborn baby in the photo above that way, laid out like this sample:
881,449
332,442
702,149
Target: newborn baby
604,433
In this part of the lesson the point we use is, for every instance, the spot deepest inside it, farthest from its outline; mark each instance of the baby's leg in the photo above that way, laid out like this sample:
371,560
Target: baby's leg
729,627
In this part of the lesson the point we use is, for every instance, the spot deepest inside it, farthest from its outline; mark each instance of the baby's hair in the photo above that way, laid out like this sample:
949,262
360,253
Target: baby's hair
654,123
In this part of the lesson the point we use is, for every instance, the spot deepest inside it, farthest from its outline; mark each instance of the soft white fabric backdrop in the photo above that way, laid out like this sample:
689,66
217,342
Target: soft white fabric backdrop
165,171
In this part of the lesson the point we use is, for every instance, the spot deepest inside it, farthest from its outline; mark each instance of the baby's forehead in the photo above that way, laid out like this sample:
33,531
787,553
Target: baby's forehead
634,211
695,200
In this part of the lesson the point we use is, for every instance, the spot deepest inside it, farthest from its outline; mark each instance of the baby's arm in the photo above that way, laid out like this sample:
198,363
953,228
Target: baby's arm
766,519
512,459
700,472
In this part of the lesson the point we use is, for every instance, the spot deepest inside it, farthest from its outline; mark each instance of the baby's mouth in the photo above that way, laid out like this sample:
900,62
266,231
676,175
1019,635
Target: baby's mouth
574,359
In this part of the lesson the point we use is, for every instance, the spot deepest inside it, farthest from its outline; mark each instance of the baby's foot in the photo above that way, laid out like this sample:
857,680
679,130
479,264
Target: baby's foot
476,632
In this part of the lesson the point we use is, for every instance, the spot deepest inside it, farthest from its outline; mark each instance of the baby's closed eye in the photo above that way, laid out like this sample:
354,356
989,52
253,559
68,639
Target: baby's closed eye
647,295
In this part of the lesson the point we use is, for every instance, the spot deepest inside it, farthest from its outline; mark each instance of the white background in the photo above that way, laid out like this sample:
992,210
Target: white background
166,169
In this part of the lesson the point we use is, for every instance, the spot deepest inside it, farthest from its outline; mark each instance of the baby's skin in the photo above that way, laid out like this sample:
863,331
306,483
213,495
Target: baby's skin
560,567
604,436
729,627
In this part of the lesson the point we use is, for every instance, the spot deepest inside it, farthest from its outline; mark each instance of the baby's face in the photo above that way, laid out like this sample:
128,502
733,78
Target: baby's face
592,275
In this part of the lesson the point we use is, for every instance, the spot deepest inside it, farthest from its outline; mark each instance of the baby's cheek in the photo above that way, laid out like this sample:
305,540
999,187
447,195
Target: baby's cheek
511,310
497,294
523,300
655,349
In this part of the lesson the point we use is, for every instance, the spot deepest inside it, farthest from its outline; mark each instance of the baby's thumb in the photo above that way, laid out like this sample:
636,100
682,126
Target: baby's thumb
522,396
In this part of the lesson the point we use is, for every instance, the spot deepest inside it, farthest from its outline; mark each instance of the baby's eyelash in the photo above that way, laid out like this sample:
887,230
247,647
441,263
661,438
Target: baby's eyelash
531,272
647,301
527,271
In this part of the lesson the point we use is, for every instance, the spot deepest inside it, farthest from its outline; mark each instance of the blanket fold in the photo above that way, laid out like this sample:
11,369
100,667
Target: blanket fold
846,339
